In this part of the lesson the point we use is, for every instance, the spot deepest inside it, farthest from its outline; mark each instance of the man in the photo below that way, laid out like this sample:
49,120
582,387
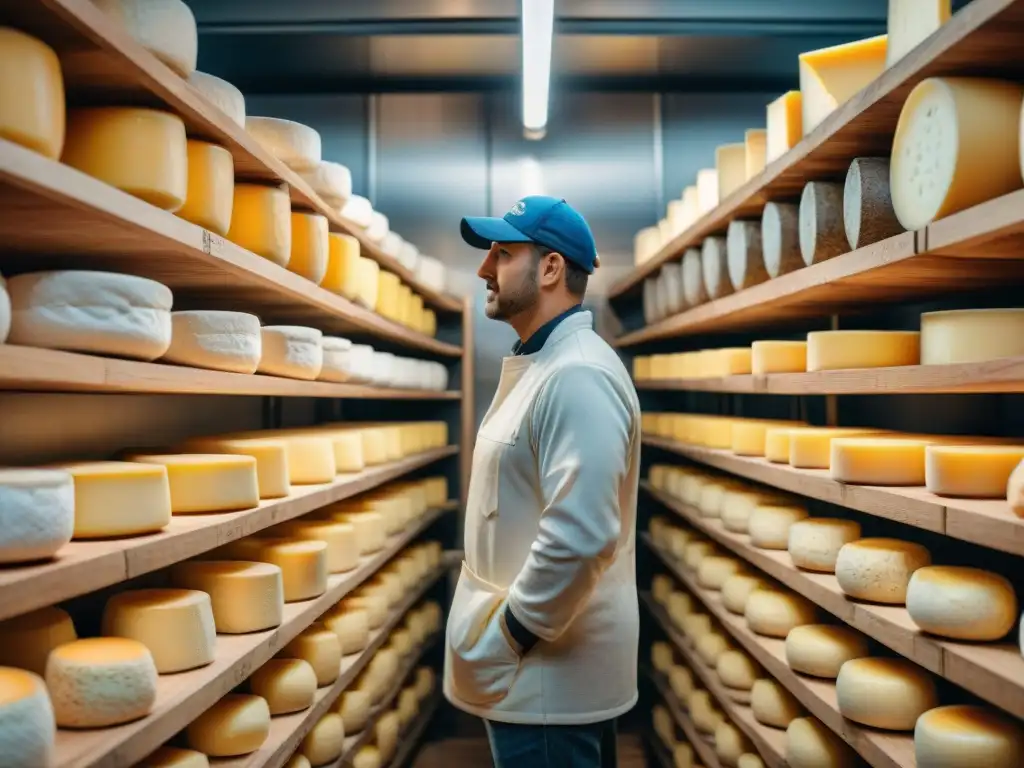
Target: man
542,633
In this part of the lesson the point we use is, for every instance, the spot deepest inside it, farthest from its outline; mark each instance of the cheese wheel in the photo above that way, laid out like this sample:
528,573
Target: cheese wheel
680,679
778,357
833,350
236,725
358,210
27,640
705,715
682,756
98,313
311,456
119,498
210,191
27,727
662,657
749,760
303,563
337,365
661,588
142,152
294,144
963,736
748,436
769,525
245,597
821,649
715,570
962,603
331,181
287,685
425,680
970,471
292,351
737,670
221,341
172,757
814,543
772,704
375,606
386,734
737,590
340,538
342,274
879,570
878,461
369,527
400,641
774,613
960,336
166,28
271,459
319,647
884,693
695,553
1015,490
712,497
776,444
939,120
32,97
309,246
739,505
354,708
367,757
222,94
100,681
730,743
37,513
261,221
408,707
680,605
325,742
810,744
298,761
811,447
207,482
176,625
352,628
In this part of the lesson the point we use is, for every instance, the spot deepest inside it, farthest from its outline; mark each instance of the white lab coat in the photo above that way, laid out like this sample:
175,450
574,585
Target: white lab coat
551,530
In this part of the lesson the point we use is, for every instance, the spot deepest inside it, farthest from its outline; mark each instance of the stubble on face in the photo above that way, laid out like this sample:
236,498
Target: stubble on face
508,300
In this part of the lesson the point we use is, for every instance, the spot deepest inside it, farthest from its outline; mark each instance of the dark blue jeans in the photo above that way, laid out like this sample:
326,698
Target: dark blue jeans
553,746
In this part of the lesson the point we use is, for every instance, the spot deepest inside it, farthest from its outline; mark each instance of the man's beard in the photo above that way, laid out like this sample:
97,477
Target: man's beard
510,303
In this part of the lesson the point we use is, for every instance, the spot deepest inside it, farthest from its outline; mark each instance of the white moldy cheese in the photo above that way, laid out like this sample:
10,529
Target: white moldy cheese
962,603
879,569
37,513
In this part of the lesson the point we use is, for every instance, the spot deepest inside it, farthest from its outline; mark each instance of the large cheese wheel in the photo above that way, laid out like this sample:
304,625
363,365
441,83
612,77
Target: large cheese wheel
715,570
292,351
101,681
811,447
879,569
331,181
287,685
884,693
769,525
778,357
352,628
222,94
680,679
27,726
96,312
942,121
119,498
971,335
222,341
358,210
814,543
261,221
736,669
962,603
173,757
711,646
774,613
730,743
271,459
325,742
236,725
737,590
245,597
303,562
337,362
375,606
963,736
705,715
143,152
294,144
821,649
971,471
37,513
832,350
211,187
772,704
166,28
340,538
176,625
318,646
354,708
878,461
309,246
32,96
810,744
26,640
207,482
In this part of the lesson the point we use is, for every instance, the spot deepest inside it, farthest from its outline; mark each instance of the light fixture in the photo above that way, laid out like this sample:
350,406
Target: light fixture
538,28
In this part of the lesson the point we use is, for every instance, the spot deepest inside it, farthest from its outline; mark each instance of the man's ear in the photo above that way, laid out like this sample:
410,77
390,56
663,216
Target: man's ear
552,267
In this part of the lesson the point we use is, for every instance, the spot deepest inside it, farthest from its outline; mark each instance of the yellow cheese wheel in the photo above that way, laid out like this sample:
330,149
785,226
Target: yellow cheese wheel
207,482
711,646
971,335
354,708
319,647
778,357
810,744
287,685
32,96
879,569
325,742
715,570
769,525
246,597
775,613
298,761
736,669
236,725
884,693
172,757
821,649
26,640
784,125
964,736
662,657
737,590
664,726
748,435
375,607
680,679
878,461
261,221
271,460
310,244
342,274
811,447
352,628
730,744
386,734
962,603
367,757
971,471
776,444
772,704
303,562
705,715
340,538
210,193
661,588
833,350
117,498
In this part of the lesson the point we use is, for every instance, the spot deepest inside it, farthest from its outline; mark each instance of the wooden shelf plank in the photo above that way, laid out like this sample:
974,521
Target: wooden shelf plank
664,759
49,370
701,745
102,64
992,671
85,566
881,749
980,39
1003,375
182,697
990,523
410,741
103,228
770,742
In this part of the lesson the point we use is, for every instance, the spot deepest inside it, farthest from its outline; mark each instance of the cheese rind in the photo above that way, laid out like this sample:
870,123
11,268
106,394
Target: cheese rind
352,627
271,460
878,461
772,704
236,725
26,640
910,22
261,222
354,708
166,28
309,246
292,351
814,544
964,736
222,341
203,483
358,210
340,538
211,187
785,125
822,649
810,744
737,670
32,96
774,613
833,350
879,569
222,94
829,77
971,335
172,757
342,274
884,693
27,728
37,513
325,742
778,357
245,597
331,181
287,685
294,144
962,603
119,498
318,646
811,447
737,590
970,471
769,525
303,563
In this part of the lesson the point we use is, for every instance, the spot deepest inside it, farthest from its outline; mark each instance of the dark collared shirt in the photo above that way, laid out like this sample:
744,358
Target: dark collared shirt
536,342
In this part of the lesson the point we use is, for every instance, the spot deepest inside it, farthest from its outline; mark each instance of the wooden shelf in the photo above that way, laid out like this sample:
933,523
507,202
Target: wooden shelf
1003,375
85,566
981,39
409,742
182,697
881,749
990,523
102,64
654,744
992,671
103,228
703,746
770,742
48,370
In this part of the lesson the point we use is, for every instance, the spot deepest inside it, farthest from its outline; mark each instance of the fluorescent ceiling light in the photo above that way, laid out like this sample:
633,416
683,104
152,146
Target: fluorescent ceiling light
538,27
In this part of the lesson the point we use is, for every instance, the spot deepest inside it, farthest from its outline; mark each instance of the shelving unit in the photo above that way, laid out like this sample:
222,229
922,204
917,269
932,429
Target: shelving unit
701,745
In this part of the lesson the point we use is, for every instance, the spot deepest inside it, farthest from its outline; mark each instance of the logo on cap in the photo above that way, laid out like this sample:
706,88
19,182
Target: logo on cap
518,209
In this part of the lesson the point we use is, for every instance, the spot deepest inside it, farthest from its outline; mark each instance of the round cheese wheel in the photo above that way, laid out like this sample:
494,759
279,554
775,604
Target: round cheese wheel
959,336
172,757
730,743
288,685
352,628
37,513
662,657
878,461
325,742
879,569
695,626
292,351
749,760
664,725
358,210
236,725
375,607
386,733
963,736
661,586
695,553
354,708
294,144
246,597
221,341
738,506
884,693
27,727
331,181
309,246
774,613
737,590
298,761
100,681
119,498
769,525
425,680
821,649
26,640
318,646
378,227
680,679
962,603
199,483
261,221
834,350
810,744
814,543
222,94
737,669
971,471
712,496
166,28
337,365
32,99
715,570
772,704
682,756
677,540
711,646
705,715
408,707
98,313
210,193
367,757
680,605
340,538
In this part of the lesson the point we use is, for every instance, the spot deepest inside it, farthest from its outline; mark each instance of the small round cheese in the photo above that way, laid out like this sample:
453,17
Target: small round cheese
814,543
380,673
662,657
879,569
962,603
682,756
37,513
288,685
221,341
261,221
737,670
325,742
712,497
971,471
695,626
810,744
358,210
26,640
408,707
375,606
27,727
378,227
386,733
680,679
769,525
246,597
738,506
772,704
100,681
695,553
294,144
292,351
664,725
331,181
711,646
119,498
32,98
963,736
749,760
352,628
680,605
236,725
424,682
884,693
677,540
175,624
715,570
705,715
318,646
737,590
354,708
298,761
730,743
201,483
211,187
166,28
337,365
774,613
222,94
821,649
367,757
172,757
340,538
661,586
309,246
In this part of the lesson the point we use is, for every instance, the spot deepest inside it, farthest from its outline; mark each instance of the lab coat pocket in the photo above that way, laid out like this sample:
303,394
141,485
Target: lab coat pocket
482,665
484,483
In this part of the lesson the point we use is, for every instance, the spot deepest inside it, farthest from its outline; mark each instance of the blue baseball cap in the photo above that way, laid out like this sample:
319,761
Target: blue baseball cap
547,221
